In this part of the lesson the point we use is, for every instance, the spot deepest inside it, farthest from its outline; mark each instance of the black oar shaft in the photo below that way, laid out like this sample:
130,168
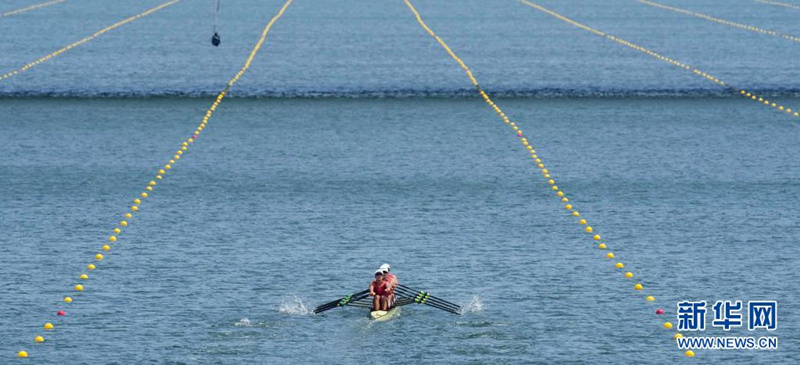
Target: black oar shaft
423,297
341,302
429,298
446,309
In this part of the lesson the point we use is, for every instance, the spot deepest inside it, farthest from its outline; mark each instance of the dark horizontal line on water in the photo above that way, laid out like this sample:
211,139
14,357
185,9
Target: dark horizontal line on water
543,93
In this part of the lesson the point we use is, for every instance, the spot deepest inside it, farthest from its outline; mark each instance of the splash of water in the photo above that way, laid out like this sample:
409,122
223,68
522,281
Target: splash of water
474,305
244,322
294,305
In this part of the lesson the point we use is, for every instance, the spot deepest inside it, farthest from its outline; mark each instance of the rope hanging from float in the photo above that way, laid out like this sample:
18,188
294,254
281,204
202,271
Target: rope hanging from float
215,40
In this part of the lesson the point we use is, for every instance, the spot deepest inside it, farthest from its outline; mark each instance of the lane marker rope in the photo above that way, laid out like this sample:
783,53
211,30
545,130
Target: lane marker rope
742,92
785,5
32,7
87,39
722,21
150,187
559,193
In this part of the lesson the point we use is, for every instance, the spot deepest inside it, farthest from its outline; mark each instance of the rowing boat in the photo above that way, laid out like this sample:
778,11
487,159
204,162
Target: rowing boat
384,315
405,296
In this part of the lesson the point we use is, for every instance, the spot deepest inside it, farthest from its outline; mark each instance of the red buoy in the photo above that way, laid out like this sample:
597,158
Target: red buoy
659,311
61,313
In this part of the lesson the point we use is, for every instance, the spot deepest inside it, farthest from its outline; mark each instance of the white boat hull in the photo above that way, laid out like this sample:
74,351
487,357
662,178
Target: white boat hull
384,315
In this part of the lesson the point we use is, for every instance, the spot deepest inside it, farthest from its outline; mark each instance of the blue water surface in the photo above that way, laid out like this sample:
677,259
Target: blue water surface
355,140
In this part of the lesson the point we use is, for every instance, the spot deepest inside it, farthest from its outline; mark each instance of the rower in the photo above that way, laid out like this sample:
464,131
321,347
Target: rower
391,280
379,291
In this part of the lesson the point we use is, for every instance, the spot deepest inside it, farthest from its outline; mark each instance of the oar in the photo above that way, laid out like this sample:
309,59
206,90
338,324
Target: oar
341,302
403,301
421,296
425,297
361,305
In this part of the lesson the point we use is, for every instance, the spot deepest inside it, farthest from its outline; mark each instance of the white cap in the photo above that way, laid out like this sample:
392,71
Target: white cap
385,267
379,271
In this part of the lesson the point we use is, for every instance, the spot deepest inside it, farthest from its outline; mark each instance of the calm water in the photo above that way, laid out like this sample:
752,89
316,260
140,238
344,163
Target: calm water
285,203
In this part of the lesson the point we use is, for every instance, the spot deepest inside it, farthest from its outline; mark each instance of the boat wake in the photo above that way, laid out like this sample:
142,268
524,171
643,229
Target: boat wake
474,305
294,305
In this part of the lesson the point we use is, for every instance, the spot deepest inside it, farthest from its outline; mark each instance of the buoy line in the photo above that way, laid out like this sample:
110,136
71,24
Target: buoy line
742,92
785,5
550,181
162,172
722,21
87,39
32,7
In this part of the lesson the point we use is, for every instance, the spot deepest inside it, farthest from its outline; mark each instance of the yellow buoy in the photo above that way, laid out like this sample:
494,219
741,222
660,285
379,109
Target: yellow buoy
39,339
678,335
602,246
117,230
638,287
162,172
568,206
112,239
128,215
106,247
689,353
667,325
144,195
576,214
123,223
48,326
596,237
79,287
92,267
619,265
134,208
609,255
67,300
84,277
98,257
628,274
22,354
651,298
589,229
137,201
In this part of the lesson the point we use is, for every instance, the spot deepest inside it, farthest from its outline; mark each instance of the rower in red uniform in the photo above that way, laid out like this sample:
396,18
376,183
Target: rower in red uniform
380,291
391,280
